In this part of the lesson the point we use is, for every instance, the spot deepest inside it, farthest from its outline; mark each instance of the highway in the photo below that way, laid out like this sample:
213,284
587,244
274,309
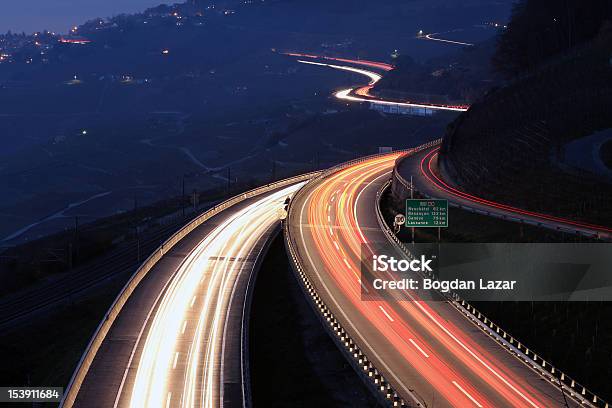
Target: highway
371,64
179,340
428,351
427,180
362,93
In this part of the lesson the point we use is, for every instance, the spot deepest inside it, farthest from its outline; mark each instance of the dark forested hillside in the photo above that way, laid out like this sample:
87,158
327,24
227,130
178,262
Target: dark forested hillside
540,29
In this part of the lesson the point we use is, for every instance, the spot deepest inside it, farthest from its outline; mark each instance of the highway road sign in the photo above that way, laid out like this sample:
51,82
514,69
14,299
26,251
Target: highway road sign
426,213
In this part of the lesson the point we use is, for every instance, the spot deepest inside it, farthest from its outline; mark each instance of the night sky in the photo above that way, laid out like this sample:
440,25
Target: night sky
59,15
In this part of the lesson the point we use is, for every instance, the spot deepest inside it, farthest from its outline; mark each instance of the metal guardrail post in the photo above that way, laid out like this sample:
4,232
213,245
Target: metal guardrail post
545,369
355,355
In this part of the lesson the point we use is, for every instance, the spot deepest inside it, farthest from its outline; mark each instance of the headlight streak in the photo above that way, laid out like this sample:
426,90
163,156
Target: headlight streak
363,91
428,172
219,258
432,38
448,358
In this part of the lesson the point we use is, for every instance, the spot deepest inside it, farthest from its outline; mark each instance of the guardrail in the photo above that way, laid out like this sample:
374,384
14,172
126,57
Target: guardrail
529,357
356,357
247,401
109,318
517,218
373,378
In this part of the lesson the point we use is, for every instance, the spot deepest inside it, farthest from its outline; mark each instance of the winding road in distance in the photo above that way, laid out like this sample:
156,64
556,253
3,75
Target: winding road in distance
362,93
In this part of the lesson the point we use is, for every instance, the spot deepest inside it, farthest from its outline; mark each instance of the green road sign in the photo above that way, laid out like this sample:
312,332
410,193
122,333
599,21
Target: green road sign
426,213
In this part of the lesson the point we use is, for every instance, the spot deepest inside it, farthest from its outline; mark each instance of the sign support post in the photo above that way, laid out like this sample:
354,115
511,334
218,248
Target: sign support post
412,197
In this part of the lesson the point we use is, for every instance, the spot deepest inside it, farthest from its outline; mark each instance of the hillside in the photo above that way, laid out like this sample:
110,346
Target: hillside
511,144
461,77
122,109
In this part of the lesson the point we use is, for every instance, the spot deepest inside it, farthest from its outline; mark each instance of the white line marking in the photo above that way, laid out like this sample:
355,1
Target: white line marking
336,245
331,232
385,312
363,286
351,324
184,326
346,263
467,395
175,360
192,302
168,399
328,218
419,348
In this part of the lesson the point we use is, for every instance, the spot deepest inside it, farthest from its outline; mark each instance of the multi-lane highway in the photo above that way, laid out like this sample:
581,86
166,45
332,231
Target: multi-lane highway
428,351
179,339
427,179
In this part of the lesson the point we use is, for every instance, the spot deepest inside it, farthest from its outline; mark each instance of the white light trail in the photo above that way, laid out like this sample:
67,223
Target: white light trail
432,38
347,94
218,257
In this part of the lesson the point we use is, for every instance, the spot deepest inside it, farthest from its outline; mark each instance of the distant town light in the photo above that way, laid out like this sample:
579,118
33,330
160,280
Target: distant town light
84,132
166,52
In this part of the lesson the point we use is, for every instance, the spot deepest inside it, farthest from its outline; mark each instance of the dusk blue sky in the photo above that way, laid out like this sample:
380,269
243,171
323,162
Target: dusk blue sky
59,15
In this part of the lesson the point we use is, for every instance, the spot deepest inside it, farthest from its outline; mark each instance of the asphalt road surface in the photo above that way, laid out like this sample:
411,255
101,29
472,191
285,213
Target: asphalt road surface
178,341
428,351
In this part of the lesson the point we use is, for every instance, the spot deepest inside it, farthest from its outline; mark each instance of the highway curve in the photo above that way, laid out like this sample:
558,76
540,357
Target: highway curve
178,341
427,180
428,351
362,93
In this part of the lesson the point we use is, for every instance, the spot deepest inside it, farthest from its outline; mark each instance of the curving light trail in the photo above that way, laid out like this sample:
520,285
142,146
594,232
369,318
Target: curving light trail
181,363
427,171
372,64
362,94
427,346
432,38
